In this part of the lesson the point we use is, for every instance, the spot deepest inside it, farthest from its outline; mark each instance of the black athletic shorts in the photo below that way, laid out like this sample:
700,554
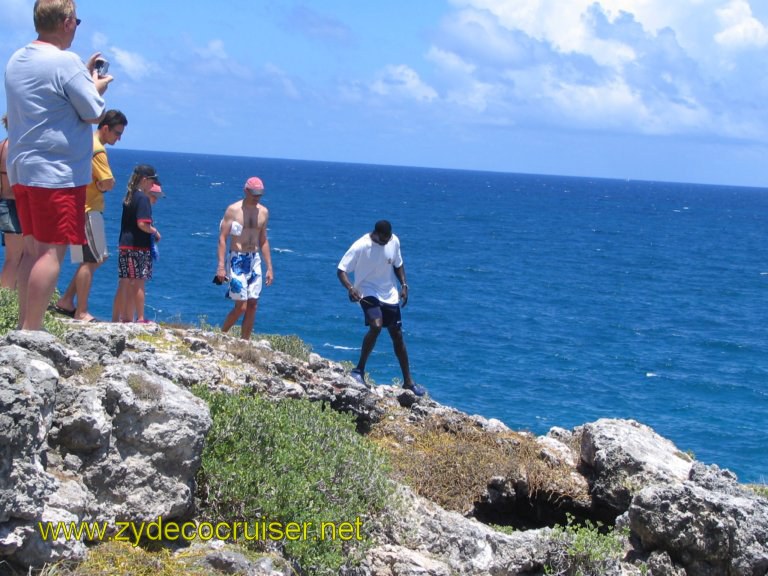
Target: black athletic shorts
389,313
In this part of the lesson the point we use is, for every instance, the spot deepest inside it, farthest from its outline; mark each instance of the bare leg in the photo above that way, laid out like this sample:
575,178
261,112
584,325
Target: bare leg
369,341
25,267
67,300
128,310
14,250
41,282
119,302
249,319
237,310
139,299
398,342
83,279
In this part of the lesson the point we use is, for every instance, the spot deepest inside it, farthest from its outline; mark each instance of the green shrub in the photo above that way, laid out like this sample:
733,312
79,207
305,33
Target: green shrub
289,344
9,314
584,550
293,461
759,489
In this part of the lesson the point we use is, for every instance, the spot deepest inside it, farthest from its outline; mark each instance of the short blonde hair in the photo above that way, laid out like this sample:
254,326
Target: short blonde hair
48,14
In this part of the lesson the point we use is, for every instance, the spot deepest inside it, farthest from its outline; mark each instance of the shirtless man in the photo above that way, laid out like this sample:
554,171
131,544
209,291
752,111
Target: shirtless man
245,223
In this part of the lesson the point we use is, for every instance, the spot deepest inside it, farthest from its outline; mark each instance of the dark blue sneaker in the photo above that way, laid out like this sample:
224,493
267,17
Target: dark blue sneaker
416,389
358,375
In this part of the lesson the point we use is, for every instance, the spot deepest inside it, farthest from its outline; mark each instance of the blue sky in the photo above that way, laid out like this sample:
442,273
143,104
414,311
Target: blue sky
643,89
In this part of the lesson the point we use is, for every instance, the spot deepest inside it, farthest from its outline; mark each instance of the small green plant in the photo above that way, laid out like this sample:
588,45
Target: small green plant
289,344
509,530
759,489
176,322
110,558
584,550
9,314
293,461
202,321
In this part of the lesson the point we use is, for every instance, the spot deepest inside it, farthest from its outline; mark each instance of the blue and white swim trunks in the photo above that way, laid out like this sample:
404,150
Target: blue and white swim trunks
244,275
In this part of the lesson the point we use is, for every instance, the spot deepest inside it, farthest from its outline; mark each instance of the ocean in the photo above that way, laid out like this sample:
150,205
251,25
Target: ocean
538,300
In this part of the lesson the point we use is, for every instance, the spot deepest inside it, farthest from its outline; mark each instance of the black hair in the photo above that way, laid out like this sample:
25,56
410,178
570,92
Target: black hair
113,118
383,228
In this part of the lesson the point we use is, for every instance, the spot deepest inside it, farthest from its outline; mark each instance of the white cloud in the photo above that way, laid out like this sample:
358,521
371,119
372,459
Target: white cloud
214,60
477,96
449,61
740,28
653,66
403,81
99,41
213,51
283,80
135,65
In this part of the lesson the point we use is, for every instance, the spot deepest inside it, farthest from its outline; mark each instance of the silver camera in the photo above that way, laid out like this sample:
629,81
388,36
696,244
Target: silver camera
102,67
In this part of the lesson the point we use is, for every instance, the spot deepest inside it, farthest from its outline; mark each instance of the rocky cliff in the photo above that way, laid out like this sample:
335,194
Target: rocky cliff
102,426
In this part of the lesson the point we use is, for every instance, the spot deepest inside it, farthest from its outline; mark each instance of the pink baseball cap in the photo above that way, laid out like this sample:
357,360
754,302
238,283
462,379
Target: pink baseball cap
254,184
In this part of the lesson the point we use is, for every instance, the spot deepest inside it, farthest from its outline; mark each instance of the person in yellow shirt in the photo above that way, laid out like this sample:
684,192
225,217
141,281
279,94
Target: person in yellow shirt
93,254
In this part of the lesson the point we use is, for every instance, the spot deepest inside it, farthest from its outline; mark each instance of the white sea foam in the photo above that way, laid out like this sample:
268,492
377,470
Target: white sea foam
335,347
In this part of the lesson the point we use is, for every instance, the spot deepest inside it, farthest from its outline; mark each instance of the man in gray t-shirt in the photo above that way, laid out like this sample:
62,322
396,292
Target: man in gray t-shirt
52,99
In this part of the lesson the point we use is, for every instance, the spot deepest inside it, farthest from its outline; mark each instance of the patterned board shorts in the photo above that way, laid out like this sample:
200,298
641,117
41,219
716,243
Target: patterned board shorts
245,276
134,264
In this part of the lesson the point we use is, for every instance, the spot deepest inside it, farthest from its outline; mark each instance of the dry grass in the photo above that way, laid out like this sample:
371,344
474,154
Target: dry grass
451,460
92,373
246,352
143,388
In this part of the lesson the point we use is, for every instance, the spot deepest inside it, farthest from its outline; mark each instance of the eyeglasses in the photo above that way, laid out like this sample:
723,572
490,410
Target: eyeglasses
75,18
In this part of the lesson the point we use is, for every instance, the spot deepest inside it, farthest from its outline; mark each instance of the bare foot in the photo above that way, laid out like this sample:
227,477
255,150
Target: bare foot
85,318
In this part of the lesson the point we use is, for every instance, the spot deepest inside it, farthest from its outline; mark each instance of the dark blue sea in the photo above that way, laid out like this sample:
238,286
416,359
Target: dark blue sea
538,300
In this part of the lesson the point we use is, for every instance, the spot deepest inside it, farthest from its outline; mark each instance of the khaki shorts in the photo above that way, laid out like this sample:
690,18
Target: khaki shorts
96,249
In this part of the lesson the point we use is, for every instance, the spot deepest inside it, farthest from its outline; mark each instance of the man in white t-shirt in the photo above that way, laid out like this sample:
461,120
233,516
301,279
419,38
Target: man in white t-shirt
375,260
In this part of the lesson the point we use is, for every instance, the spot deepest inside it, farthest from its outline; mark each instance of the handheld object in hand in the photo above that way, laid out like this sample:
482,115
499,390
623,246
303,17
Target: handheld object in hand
101,67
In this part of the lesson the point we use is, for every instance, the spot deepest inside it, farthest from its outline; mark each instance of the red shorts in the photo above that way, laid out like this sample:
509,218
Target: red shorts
52,215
